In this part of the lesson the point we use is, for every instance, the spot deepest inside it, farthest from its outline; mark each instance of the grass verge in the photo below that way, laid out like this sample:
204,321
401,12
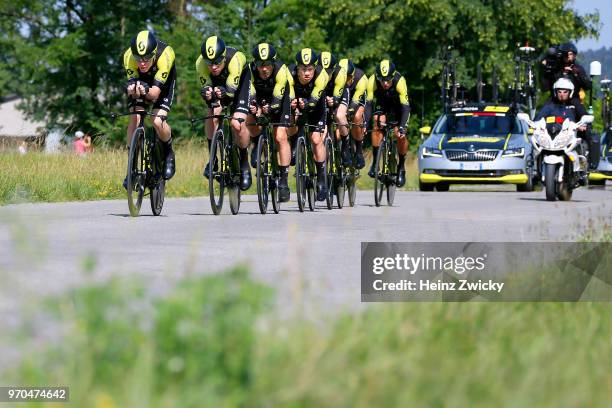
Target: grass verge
40,177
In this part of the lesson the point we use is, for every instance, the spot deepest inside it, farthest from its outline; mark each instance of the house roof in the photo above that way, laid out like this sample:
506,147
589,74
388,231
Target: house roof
13,122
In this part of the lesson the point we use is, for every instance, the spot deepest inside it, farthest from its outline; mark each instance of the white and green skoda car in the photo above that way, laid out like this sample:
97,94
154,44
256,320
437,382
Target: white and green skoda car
476,144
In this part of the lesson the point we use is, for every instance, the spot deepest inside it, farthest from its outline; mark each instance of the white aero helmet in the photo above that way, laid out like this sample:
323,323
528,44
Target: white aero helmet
564,83
78,134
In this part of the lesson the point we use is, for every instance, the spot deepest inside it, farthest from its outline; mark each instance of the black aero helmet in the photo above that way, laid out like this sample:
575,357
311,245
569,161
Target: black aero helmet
348,65
306,56
144,45
213,50
264,52
385,70
568,47
327,60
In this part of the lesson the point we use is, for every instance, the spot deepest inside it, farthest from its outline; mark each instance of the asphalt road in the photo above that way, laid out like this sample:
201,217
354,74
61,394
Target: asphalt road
44,247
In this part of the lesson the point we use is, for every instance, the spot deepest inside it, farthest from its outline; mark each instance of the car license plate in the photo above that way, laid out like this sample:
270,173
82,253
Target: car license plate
471,166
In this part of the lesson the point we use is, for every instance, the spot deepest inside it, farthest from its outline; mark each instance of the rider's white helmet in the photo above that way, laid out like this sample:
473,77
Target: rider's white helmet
564,83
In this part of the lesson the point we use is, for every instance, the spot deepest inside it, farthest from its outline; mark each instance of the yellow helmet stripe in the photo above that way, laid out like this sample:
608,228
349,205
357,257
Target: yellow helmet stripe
141,42
326,59
211,45
264,51
384,67
306,55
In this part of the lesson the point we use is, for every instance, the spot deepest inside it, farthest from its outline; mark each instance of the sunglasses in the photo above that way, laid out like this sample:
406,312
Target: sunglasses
562,91
144,58
263,64
217,61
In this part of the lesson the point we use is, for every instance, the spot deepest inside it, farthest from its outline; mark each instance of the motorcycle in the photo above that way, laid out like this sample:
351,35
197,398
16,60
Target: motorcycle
562,166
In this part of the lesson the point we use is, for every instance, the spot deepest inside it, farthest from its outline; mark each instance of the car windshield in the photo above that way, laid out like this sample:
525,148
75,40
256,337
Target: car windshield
477,123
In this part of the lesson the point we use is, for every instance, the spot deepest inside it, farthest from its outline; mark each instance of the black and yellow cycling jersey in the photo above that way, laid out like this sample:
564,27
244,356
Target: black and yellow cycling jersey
336,83
160,72
274,88
393,101
358,89
314,90
276,91
230,76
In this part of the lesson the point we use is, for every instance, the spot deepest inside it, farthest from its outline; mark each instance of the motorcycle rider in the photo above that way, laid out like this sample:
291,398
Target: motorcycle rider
560,62
560,107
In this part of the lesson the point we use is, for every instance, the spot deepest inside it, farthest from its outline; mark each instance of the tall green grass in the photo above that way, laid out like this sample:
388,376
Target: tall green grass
214,341
37,176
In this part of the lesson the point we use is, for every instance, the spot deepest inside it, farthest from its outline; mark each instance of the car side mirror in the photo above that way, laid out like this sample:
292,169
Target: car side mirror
426,130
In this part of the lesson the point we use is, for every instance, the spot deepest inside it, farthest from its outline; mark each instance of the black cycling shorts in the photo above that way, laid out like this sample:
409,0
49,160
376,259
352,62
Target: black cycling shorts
242,97
318,116
283,114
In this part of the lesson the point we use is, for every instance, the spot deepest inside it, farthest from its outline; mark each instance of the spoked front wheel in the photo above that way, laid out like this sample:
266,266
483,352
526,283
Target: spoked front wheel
380,175
300,173
136,172
263,175
216,181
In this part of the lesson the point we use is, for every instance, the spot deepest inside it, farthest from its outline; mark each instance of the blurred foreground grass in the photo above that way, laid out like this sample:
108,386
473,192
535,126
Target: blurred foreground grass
37,176
214,341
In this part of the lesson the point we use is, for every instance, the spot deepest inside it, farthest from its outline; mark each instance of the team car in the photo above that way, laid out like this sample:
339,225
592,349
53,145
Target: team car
476,144
603,172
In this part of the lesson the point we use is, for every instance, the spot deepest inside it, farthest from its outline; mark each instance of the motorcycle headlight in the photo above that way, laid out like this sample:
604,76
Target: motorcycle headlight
516,152
429,152
543,139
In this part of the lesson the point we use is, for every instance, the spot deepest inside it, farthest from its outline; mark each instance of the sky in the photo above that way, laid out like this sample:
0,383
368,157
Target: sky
605,18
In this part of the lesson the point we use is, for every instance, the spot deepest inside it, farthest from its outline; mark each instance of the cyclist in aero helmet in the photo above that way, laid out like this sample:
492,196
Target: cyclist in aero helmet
270,79
225,82
309,80
149,67
357,83
388,88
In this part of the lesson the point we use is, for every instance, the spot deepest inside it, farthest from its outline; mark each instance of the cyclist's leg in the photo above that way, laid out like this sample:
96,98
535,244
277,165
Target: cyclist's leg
135,105
377,136
343,129
162,107
358,135
318,118
242,136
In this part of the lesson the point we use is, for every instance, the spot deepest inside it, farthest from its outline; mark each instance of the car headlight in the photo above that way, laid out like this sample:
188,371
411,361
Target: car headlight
429,152
516,152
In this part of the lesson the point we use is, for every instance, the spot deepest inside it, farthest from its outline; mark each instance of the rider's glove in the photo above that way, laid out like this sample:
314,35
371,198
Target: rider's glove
223,92
204,90
336,101
130,82
402,131
145,87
